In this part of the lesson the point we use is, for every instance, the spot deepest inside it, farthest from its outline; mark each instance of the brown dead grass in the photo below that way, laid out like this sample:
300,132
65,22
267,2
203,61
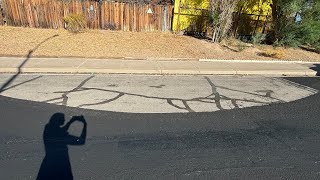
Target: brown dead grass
15,41
277,53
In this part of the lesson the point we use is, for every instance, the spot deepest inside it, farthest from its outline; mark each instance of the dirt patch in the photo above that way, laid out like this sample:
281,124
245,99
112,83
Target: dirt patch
107,44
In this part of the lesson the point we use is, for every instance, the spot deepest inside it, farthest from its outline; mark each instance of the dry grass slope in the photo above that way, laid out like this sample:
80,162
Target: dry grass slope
108,44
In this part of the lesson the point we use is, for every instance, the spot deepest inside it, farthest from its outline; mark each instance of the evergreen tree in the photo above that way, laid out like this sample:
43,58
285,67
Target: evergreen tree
296,22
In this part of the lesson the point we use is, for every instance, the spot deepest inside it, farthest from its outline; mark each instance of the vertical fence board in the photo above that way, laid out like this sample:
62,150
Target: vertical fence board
130,17
16,13
111,15
137,16
134,20
127,17
105,14
141,18
121,16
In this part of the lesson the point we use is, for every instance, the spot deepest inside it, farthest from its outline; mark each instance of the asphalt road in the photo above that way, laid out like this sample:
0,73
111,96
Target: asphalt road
277,141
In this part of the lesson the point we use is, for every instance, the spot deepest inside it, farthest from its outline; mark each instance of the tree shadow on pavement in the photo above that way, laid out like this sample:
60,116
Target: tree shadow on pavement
9,81
316,68
56,163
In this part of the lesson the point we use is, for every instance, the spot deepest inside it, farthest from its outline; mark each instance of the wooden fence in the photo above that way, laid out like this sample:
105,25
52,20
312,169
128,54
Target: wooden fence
107,15
250,24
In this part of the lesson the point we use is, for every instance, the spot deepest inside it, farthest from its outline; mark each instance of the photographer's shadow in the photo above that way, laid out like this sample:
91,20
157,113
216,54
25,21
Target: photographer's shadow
56,163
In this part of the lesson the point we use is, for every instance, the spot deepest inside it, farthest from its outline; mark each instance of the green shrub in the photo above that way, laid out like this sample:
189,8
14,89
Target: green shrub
241,46
75,22
258,38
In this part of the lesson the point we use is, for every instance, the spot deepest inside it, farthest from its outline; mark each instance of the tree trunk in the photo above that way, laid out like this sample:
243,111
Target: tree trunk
214,36
276,18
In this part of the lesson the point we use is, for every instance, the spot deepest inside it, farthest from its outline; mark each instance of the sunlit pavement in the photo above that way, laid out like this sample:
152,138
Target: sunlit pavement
155,94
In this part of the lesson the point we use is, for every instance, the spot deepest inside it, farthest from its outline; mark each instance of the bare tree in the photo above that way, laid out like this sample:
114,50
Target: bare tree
221,13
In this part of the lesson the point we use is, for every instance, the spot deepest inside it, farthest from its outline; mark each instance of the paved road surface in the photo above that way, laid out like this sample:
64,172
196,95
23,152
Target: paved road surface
270,141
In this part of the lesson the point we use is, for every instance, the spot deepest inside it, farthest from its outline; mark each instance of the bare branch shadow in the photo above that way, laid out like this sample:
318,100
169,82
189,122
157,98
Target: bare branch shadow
9,81
64,97
16,85
103,102
214,97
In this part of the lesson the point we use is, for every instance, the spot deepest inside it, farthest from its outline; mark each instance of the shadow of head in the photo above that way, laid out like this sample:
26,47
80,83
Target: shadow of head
316,67
57,120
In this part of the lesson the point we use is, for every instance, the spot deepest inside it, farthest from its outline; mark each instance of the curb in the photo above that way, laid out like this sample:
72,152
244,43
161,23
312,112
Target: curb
175,59
155,72
260,61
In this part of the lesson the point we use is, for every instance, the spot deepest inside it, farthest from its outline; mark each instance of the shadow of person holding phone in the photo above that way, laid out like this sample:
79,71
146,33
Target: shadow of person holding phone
56,163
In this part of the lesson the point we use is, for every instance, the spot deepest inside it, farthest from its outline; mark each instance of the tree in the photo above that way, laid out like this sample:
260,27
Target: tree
221,17
283,13
292,31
